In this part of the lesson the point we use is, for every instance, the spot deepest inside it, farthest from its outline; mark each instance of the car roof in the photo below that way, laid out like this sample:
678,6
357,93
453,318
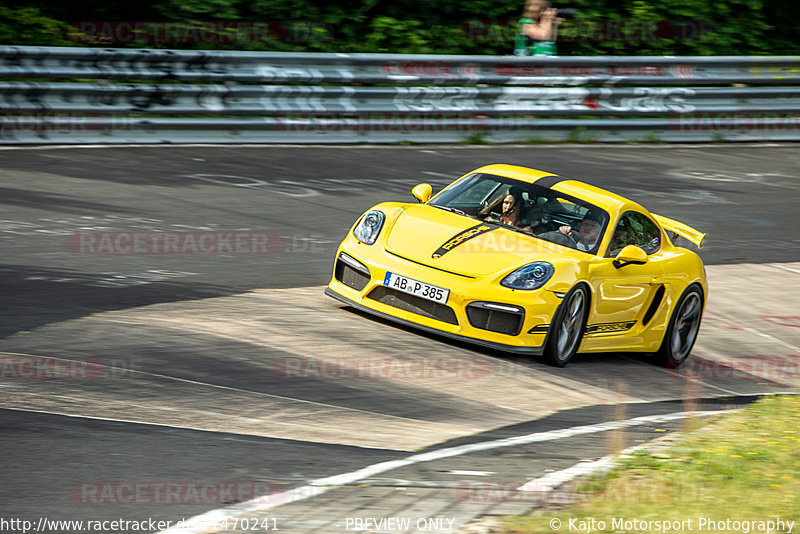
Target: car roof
598,196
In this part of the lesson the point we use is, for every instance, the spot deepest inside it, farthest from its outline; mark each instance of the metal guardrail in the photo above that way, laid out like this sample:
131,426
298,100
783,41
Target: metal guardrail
19,97
107,130
287,97
281,67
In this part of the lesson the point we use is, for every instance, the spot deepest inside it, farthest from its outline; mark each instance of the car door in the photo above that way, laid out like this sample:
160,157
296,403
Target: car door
625,296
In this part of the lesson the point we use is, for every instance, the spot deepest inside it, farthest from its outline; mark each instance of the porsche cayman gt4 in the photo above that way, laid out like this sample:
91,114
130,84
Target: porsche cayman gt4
526,261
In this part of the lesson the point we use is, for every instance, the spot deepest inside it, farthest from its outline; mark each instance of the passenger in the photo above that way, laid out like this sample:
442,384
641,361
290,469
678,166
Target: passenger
512,209
619,240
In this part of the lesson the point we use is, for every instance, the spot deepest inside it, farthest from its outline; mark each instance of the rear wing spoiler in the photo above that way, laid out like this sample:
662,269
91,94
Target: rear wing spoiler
681,229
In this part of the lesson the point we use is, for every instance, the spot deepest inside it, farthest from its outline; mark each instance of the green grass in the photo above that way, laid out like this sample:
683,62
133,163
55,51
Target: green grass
538,141
17,334
743,467
477,138
649,137
581,134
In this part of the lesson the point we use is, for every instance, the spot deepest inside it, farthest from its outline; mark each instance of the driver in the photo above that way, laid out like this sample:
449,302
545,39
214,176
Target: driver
588,233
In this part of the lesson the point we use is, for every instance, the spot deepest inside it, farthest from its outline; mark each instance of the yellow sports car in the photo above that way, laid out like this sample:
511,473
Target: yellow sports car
528,262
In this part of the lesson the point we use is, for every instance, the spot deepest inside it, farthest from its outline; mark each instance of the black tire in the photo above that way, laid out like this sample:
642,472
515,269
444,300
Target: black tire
567,328
682,330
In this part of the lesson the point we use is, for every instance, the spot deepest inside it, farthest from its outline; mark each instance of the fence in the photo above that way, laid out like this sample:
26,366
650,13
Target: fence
153,96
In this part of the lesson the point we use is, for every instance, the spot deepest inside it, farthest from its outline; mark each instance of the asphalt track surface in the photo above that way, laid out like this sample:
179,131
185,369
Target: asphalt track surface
122,311
744,198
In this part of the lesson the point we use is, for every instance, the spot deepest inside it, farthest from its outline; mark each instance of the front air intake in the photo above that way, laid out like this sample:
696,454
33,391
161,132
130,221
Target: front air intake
413,304
495,317
351,272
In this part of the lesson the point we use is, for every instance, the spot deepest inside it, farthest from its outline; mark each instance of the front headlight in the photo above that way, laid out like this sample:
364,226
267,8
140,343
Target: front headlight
531,276
369,227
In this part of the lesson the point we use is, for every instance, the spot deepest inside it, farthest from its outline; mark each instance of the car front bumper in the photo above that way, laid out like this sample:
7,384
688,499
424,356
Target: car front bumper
470,313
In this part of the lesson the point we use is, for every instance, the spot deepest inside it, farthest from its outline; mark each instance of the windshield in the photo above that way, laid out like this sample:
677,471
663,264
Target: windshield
535,210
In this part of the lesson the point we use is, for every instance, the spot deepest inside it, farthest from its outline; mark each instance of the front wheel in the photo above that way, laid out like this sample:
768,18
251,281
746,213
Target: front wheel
567,328
682,331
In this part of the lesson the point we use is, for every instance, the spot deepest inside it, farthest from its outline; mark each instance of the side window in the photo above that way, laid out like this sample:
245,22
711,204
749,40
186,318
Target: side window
635,229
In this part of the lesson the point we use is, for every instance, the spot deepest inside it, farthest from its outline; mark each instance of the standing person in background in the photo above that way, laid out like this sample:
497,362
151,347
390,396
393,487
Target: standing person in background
536,30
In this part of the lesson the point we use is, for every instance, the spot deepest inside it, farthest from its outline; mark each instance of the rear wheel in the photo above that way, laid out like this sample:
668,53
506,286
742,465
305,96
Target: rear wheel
567,328
682,330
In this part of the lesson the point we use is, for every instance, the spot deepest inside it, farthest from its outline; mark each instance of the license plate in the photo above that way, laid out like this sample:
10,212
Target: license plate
415,287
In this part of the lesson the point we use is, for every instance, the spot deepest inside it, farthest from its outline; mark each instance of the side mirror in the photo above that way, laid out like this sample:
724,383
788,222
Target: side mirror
631,254
422,192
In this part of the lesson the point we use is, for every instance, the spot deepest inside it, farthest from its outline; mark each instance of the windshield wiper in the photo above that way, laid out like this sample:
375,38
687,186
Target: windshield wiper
448,208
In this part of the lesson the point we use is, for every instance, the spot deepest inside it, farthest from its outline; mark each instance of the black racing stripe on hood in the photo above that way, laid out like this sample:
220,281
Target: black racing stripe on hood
462,237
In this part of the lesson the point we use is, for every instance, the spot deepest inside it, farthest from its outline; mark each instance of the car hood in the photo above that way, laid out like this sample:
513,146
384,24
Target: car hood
464,245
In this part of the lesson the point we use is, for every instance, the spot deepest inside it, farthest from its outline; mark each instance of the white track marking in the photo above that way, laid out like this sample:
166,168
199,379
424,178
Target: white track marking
471,473
206,521
552,481
785,268
164,425
771,338
732,364
712,386
764,334
207,384
701,382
